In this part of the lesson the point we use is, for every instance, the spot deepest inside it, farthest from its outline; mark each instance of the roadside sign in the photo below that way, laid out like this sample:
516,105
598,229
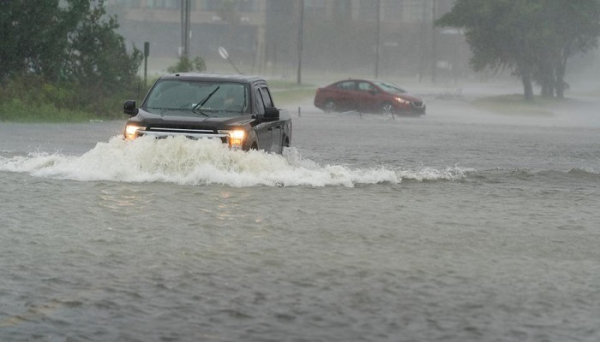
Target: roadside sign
223,53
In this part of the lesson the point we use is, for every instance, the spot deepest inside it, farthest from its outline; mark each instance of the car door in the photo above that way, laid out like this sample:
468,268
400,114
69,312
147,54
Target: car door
263,129
274,127
345,95
366,97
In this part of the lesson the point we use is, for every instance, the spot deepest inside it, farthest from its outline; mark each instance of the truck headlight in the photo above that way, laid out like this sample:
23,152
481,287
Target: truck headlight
131,131
236,137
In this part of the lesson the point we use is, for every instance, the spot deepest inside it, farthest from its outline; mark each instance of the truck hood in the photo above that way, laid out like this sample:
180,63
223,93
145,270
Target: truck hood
189,119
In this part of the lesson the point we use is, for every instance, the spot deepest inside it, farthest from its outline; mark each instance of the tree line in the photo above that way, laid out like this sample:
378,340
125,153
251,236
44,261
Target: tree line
66,52
534,39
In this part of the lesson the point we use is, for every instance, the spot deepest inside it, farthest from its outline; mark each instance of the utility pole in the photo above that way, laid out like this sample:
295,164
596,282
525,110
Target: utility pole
185,27
146,54
378,39
422,39
434,39
259,56
300,42
182,21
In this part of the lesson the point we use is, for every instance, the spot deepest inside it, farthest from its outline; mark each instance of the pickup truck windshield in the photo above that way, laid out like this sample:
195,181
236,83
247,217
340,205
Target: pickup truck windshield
215,98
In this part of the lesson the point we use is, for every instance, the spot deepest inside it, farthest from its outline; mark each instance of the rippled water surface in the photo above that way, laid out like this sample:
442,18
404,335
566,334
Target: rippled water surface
456,226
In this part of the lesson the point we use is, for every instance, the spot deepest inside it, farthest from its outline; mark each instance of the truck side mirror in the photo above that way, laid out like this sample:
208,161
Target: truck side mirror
271,114
130,107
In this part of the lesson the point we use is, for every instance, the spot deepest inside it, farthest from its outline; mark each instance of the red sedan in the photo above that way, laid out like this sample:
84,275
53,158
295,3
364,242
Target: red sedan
367,96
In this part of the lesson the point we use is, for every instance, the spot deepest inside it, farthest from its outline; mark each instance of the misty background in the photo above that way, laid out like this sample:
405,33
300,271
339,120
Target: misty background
339,39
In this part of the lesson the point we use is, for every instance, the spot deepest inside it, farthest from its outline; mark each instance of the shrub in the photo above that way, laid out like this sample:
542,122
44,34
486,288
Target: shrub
186,65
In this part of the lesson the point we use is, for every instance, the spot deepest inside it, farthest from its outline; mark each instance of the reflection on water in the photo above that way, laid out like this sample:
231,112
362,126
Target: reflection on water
124,197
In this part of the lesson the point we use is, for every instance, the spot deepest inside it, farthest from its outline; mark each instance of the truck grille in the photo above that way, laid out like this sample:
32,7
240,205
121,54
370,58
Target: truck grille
163,132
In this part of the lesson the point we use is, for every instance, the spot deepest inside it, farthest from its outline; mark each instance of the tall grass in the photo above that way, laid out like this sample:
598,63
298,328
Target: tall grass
33,99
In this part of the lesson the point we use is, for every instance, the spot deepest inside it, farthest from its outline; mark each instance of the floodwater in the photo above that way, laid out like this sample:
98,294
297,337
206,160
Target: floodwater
461,225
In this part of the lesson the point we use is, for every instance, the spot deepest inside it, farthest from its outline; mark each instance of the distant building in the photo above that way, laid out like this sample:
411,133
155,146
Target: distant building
338,35
345,35
235,24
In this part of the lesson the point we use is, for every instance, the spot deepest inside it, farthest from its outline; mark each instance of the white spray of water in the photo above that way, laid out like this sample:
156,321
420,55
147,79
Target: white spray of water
431,174
189,162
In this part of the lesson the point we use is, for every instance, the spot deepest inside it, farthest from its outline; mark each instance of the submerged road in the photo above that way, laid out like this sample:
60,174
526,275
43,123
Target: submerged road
461,225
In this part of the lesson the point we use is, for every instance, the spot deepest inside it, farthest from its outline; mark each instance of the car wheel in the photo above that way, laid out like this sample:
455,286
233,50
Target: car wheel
329,106
387,108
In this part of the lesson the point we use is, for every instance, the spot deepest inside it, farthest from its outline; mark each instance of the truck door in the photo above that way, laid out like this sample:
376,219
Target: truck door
275,127
263,129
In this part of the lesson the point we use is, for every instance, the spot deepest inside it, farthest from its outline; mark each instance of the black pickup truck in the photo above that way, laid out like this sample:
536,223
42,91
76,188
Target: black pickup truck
238,110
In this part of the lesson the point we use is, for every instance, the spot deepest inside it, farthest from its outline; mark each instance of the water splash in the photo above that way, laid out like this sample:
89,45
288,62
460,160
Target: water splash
431,174
188,162
194,162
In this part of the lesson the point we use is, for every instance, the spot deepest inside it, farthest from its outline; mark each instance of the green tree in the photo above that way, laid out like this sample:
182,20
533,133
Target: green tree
33,38
532,38
96,56
72,42
574,28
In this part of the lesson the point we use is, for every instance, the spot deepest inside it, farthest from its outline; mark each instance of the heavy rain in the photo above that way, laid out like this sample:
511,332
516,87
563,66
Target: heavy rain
438,181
